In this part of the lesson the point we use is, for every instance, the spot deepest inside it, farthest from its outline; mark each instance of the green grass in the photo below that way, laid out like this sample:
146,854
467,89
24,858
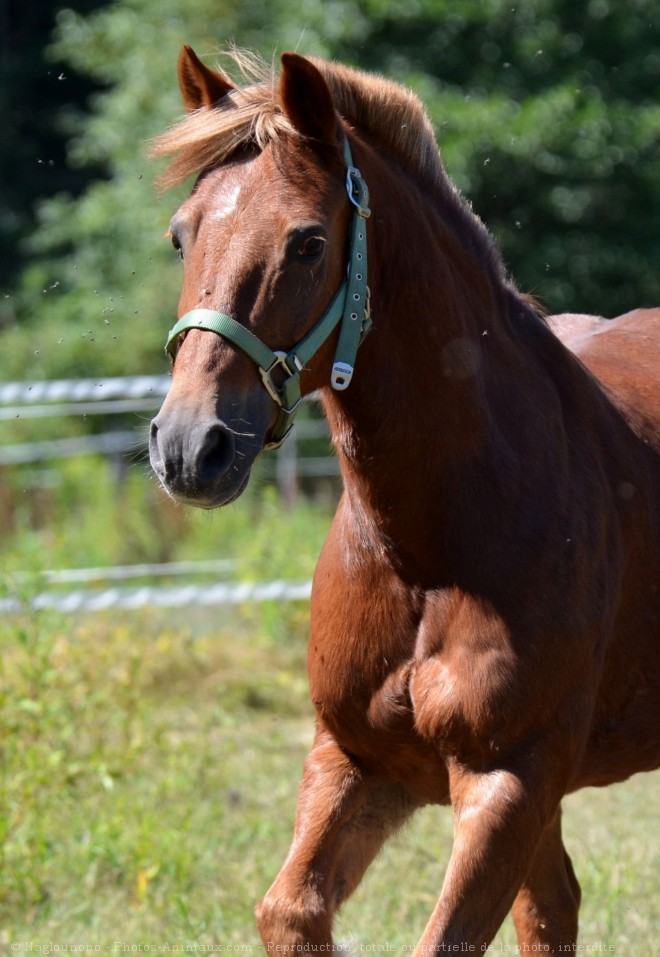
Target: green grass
150,761
149,777
148,768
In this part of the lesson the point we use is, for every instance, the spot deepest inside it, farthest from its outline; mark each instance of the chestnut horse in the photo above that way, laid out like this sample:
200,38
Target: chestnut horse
485,610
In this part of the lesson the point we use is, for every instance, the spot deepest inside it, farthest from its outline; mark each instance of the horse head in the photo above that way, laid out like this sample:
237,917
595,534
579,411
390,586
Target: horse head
264,240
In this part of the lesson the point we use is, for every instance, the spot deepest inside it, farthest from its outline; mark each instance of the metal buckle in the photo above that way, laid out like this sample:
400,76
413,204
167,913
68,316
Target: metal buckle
278,443
283,359
272,389
355,183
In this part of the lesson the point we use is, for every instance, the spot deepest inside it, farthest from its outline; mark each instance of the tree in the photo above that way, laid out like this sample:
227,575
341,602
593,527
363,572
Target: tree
100,291
35,96
546,115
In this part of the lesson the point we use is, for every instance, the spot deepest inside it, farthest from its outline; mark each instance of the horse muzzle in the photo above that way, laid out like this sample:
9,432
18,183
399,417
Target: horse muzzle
200,461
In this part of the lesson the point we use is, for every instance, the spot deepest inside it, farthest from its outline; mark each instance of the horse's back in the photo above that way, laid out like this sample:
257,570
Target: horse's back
623,354
571,327
631,339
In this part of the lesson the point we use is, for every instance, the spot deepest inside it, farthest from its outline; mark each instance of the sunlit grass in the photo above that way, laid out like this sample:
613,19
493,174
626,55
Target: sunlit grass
150,770
147,769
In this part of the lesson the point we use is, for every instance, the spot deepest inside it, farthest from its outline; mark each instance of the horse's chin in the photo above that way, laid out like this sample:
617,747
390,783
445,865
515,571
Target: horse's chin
209,500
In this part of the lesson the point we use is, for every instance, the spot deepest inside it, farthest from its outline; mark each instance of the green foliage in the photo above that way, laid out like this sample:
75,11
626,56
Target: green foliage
88,516
100,292
547,115
33,94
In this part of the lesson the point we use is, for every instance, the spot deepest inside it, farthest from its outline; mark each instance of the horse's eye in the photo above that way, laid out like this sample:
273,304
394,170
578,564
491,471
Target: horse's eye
310,249
176,242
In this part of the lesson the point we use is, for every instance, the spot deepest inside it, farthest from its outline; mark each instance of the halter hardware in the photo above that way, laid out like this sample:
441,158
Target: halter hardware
350,306
282,360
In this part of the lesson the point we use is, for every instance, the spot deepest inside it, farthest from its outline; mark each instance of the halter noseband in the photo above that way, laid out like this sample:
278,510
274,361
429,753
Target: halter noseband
350,305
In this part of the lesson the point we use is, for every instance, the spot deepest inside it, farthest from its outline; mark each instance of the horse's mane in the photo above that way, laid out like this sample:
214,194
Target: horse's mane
251,116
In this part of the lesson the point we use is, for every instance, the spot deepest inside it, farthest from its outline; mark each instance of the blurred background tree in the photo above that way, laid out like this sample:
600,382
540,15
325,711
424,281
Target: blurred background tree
547,115
34,97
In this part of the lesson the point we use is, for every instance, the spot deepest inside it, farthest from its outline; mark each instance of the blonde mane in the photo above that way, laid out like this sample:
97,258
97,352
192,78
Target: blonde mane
251,116
391,116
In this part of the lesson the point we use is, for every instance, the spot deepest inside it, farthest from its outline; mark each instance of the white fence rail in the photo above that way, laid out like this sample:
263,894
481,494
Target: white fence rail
85,390
65,397
122,394
140,596
67,576
133,394
109,443
180,596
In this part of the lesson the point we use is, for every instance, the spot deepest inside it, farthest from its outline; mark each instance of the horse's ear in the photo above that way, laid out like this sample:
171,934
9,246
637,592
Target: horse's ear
307,101
199,85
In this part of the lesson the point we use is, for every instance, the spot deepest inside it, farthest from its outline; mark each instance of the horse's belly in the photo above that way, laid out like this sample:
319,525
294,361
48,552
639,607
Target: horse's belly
625,734
624,746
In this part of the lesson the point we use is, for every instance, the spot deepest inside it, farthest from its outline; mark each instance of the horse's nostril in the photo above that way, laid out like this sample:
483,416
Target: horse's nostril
193,458
216,454
154,450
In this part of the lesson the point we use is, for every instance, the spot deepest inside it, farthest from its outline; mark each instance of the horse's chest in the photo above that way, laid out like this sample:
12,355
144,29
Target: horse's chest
374,721
360,661
390,678
359,678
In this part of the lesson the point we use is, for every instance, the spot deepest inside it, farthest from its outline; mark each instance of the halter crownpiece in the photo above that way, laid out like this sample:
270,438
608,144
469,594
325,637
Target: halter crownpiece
350,306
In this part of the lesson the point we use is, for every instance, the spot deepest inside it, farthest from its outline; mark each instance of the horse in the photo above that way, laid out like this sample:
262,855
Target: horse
485,613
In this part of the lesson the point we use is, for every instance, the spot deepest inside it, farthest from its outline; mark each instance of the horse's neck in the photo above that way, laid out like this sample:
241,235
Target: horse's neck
442,339
444,400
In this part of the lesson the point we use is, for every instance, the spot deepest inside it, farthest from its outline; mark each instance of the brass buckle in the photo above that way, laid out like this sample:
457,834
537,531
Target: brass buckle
271,388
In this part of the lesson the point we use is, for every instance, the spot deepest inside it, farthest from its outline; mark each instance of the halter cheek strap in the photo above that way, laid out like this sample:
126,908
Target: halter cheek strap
350,307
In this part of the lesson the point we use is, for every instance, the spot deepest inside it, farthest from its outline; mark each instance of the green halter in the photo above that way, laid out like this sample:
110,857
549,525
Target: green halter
350,306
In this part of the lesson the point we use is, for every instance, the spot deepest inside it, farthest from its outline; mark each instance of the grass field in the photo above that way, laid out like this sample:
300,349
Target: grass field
150,764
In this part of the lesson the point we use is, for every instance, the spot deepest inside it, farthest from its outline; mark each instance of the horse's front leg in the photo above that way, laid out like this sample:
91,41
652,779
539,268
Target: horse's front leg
501,817
343,818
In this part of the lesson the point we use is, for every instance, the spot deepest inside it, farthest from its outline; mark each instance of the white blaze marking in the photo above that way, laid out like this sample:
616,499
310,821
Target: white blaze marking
228,204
